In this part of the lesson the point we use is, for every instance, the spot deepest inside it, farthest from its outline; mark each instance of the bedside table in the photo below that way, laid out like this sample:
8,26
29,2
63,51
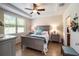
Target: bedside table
55,37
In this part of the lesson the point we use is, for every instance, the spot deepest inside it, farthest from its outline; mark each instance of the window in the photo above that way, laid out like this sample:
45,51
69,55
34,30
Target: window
20,25
13,24
10,24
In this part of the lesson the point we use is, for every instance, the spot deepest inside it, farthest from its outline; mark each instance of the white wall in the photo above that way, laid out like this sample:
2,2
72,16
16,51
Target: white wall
50,20
73,8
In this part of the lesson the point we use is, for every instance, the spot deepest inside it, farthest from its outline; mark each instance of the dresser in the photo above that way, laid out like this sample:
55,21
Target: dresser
55,37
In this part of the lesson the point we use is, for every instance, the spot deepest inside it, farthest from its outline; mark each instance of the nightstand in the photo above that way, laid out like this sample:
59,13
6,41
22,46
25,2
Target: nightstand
55,37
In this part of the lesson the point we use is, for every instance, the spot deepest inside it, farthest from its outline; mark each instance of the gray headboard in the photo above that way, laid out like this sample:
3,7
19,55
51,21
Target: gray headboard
44,27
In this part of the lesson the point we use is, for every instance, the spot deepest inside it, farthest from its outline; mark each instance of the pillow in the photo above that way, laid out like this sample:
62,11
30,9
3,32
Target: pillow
45,32
38,32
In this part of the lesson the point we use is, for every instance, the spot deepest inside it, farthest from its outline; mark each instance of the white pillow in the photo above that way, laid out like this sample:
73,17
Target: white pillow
45,32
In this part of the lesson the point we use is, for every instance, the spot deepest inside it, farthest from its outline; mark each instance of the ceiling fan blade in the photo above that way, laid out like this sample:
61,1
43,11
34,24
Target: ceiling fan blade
41,9
34,6
28,8
31,12
61,4
38,13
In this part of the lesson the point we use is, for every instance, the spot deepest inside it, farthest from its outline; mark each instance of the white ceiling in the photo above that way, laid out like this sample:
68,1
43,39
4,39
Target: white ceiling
51,9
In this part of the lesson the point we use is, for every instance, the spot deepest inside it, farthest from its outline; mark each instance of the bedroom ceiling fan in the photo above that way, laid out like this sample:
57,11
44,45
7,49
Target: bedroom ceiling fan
35,9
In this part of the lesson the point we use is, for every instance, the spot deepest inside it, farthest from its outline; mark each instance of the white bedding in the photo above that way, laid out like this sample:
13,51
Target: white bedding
46,36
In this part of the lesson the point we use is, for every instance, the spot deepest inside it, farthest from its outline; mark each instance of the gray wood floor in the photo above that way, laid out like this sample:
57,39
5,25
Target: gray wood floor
54,49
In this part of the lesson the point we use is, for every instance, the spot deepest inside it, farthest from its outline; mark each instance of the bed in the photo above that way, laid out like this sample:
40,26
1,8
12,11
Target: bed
37,41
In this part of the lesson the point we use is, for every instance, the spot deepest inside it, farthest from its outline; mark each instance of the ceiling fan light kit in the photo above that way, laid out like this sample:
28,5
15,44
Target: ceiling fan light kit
35,11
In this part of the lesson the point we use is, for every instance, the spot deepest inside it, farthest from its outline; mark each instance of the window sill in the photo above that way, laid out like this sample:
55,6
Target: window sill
15,33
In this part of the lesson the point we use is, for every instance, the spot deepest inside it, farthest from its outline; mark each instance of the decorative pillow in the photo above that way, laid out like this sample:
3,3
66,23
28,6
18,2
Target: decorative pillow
38,32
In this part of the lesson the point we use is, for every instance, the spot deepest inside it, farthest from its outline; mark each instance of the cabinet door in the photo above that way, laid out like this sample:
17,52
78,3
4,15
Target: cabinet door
5,49
13,47
56,38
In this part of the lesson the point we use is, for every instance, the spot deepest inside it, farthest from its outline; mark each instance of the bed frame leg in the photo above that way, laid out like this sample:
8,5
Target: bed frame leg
44,53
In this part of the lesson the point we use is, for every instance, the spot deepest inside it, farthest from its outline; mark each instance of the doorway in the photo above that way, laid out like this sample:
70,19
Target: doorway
68,25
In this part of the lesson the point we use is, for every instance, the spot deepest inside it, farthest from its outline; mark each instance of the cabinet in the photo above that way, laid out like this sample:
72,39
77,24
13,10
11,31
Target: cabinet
55,37
7,47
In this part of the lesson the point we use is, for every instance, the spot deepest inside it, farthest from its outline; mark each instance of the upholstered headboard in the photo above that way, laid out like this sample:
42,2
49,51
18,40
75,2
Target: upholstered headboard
44,27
